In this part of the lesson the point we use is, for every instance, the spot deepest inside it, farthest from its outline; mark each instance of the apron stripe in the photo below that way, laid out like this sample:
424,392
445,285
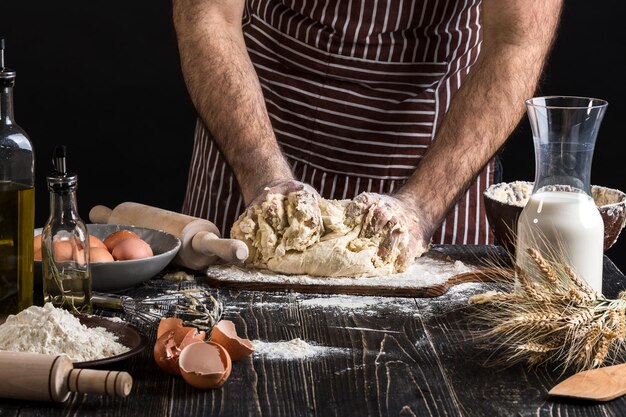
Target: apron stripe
355,91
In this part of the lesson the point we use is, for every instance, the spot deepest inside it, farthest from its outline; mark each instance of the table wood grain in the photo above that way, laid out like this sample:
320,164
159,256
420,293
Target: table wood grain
381,356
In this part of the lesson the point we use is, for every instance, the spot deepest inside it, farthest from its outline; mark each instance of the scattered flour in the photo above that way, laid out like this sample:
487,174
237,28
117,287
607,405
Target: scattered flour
115,319
292,349
53,331
364,304
424,272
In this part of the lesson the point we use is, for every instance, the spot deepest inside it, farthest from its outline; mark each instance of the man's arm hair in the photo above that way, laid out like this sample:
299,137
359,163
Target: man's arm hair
226,92
517,38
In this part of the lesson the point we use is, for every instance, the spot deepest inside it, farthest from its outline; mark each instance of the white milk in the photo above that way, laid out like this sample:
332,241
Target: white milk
563,222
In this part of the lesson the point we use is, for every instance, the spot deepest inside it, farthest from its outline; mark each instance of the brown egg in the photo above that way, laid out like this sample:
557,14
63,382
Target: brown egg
169,345
131,249
205,365
99,254
63,251
95,242
37,243
116,237
224,334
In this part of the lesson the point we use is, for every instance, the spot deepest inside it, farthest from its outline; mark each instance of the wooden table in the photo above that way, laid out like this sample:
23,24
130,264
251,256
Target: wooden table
379,357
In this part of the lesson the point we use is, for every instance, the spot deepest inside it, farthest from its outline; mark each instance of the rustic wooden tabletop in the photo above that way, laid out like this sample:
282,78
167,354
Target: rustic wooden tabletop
373,356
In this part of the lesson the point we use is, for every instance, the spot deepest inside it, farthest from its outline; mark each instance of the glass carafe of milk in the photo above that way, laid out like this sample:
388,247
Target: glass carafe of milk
561,219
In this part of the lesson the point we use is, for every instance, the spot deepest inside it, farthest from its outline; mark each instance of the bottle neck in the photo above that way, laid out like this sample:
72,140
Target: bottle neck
63,207
6,104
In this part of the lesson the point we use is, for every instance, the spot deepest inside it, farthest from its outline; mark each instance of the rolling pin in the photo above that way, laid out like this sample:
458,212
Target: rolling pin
201,242
38,377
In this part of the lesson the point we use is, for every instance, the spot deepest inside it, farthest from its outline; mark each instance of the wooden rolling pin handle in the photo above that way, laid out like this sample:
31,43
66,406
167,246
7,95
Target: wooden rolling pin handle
34,376
100,214
113,383
230,250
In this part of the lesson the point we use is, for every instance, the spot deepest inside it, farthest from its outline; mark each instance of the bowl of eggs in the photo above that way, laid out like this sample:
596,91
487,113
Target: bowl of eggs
120,256
505,201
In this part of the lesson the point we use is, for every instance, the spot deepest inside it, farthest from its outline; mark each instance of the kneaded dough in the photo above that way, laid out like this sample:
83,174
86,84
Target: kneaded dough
283,235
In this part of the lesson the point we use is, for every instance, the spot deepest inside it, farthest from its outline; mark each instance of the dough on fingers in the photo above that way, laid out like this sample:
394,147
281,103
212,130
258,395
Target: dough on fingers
289,235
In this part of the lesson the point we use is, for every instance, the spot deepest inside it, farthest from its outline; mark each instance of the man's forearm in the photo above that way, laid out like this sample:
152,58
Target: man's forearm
517,36
226,92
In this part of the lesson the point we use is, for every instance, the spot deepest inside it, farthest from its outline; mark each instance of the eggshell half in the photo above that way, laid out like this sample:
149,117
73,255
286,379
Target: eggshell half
169,345
166,353
116,237
168,323
205,365
225,334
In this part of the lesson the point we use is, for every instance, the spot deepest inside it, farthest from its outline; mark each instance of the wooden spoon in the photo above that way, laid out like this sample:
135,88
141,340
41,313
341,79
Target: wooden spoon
601,384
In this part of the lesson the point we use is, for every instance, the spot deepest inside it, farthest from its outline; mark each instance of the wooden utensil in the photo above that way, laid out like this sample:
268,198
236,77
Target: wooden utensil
201,242
601,384
33,376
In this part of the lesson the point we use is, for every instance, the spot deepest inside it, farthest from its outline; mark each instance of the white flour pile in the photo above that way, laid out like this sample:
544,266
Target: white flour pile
515,193
53,331
292,349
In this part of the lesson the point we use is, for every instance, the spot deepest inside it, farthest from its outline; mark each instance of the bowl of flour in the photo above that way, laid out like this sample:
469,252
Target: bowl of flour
87,340
505,201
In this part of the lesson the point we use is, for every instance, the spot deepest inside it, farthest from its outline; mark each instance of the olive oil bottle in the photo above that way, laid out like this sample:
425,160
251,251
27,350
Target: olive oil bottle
17,203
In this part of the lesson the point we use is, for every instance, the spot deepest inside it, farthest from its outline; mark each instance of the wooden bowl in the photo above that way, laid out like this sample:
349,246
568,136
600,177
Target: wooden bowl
502,216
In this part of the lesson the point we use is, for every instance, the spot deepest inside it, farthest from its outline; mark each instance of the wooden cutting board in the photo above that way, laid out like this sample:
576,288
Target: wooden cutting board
431,275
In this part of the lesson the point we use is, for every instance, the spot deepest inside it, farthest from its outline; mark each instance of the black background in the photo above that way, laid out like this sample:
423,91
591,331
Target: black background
103,78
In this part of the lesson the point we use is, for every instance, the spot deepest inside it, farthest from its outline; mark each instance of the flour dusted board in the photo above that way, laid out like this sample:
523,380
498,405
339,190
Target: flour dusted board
430,276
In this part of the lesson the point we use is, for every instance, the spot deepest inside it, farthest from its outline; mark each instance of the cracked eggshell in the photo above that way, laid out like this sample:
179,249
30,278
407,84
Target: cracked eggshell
169,345
225,334
205,365
167,324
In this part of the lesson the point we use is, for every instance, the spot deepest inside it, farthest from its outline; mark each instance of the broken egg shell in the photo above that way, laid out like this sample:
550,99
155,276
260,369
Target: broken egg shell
225,334
182,334
169,345
205,365
166,353
167,324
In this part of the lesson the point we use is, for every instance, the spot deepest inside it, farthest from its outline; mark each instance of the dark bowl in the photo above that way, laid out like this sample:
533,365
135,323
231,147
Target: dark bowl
120,275
502,216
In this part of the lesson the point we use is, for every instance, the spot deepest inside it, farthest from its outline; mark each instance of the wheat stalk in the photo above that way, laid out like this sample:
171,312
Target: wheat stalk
551,315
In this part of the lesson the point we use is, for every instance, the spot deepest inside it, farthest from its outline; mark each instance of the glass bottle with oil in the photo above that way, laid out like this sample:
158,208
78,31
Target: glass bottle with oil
17,202
65,243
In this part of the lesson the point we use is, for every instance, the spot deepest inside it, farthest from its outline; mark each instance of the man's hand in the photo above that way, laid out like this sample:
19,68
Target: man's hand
395,222
295,214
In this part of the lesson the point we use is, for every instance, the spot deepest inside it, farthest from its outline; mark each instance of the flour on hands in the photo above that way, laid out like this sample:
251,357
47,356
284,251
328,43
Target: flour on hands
302,233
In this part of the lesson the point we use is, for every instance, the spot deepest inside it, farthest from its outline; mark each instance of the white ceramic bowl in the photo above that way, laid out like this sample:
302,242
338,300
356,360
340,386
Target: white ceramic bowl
120,275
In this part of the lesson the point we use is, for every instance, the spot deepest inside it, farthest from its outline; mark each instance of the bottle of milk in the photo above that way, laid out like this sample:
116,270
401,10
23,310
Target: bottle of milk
561,219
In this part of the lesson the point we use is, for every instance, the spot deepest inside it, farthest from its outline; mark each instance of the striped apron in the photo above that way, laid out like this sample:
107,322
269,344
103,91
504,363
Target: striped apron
355,90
